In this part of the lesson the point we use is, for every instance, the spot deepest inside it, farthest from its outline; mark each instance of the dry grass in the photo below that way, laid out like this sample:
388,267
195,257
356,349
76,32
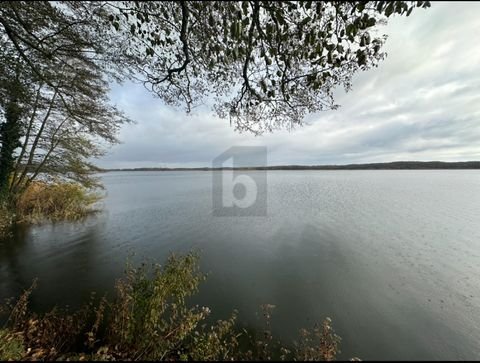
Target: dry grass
54,202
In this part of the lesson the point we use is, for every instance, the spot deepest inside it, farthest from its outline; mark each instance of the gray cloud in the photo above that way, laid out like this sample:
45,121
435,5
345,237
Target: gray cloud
421,103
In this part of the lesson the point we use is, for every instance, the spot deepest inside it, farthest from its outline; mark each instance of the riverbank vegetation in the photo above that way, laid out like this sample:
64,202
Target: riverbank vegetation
51,201
150,319
54,202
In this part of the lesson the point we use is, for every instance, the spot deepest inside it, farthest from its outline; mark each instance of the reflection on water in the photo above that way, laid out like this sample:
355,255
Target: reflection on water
391,256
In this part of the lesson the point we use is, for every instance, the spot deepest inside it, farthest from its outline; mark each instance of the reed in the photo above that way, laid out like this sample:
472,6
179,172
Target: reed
42,201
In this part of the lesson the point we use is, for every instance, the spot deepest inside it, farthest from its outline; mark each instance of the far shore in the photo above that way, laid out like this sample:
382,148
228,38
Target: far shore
397,165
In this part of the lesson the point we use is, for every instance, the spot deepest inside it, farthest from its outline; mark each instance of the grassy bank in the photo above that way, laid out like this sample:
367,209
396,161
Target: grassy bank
149,319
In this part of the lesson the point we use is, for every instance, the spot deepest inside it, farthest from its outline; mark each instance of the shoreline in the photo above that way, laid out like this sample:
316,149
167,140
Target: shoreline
397,165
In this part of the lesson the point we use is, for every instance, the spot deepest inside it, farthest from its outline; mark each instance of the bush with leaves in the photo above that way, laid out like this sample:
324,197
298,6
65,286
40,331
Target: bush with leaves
150,319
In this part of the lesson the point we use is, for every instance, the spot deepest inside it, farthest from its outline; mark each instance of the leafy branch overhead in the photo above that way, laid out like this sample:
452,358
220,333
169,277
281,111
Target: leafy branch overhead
266,63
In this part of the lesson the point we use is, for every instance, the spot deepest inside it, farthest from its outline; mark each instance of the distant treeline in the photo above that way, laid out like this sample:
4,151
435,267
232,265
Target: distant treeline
398,165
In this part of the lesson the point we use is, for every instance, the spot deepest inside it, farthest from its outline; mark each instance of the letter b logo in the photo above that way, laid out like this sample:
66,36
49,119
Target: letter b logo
240,191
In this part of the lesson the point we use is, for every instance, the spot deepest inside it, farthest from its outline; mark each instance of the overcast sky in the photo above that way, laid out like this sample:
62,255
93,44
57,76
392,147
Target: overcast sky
421,103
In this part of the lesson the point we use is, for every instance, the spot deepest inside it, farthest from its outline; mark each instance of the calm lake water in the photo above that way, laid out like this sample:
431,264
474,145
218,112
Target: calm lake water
393,257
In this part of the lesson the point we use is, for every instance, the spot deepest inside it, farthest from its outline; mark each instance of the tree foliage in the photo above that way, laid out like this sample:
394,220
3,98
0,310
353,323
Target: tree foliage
266,63
58,55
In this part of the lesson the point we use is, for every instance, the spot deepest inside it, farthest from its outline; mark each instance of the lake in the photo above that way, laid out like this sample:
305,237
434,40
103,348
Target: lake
393,257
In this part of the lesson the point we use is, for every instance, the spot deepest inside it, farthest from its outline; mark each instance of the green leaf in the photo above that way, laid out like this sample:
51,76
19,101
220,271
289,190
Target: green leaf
263,85
245,7
389,9
351,29
371,22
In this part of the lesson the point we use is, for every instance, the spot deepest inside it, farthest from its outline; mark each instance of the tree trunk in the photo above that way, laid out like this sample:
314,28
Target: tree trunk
10,133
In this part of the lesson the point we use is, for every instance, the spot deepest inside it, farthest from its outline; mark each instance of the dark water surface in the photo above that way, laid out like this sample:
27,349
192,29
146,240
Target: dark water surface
393,257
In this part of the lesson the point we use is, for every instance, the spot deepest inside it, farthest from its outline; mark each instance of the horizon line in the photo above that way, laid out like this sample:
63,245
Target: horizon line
387,165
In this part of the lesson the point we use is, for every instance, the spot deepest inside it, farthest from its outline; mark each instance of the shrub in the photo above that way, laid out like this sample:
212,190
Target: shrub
149,319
